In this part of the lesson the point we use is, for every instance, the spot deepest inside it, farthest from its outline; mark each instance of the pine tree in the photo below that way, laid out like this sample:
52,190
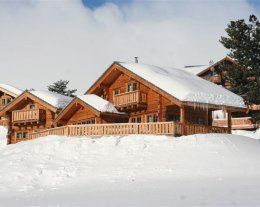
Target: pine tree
243,42
61,88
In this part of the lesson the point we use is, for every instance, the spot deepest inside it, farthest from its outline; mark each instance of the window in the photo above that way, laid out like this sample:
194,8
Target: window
89,121
21,135
173,117
151,118
116,92
197,120
8,100
137,119
32,106
132,87
3,101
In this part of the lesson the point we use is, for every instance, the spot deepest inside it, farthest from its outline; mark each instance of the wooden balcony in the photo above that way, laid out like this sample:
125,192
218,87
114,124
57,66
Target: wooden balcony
254,107
23,116
214,79
130,100
237,123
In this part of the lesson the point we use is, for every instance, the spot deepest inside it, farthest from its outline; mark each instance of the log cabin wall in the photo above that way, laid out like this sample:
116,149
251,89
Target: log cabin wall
83,114
20,129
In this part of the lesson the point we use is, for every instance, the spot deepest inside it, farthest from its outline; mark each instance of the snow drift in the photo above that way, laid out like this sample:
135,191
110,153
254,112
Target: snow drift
198,170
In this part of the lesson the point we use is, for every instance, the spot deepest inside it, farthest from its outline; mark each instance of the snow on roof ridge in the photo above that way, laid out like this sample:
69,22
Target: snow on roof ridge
98,103
11,89
52,98
185,86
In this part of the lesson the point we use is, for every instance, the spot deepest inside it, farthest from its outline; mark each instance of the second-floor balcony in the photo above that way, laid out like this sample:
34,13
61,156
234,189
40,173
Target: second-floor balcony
33,115
130,100
214,78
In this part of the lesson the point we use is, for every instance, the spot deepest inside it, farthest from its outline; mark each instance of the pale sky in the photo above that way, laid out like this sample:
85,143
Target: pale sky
42,41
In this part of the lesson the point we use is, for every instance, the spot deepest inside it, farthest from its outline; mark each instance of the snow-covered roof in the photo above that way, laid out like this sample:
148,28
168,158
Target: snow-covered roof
10,89
98,103
185,86
54,99
195,69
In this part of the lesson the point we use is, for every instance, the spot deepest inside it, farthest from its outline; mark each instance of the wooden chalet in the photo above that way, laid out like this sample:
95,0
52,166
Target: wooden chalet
215,73
154,94
32,111
7,95
89,109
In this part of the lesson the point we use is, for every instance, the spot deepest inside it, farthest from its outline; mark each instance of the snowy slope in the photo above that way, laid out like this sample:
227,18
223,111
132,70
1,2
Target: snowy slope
185,86
251,134
10,89
198,170
54,99
98,103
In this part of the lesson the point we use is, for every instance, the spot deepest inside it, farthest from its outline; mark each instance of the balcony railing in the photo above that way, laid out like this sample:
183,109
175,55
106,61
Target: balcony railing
214,79
254,107
35,115
130,98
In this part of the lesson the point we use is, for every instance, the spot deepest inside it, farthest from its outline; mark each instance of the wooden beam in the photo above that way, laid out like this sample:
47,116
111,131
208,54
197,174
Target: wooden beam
229,122
182,115
209,118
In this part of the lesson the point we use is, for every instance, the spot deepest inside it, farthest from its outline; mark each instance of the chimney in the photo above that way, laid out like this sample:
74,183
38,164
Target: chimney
136,59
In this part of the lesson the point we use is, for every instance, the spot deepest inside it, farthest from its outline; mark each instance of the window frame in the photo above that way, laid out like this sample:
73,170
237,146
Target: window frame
154,117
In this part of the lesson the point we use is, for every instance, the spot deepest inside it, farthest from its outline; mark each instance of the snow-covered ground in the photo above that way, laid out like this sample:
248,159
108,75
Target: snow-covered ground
198,170
251,134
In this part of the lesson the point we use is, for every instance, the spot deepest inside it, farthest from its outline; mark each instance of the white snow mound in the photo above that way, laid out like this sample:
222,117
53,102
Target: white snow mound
197,170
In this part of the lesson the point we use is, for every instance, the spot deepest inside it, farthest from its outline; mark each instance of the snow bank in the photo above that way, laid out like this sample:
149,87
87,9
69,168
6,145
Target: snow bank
8,88
251,134
3,132
198,170
185,86
98,103
54,99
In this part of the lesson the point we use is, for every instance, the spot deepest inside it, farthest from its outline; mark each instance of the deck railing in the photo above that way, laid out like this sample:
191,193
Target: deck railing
237,123
158,128
254,107
134,97
214,79
28,115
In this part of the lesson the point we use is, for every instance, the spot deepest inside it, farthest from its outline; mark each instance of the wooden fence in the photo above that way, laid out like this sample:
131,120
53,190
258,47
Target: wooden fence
158,128
237,123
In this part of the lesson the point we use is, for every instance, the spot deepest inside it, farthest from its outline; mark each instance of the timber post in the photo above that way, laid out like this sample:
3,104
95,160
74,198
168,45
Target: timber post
229,123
